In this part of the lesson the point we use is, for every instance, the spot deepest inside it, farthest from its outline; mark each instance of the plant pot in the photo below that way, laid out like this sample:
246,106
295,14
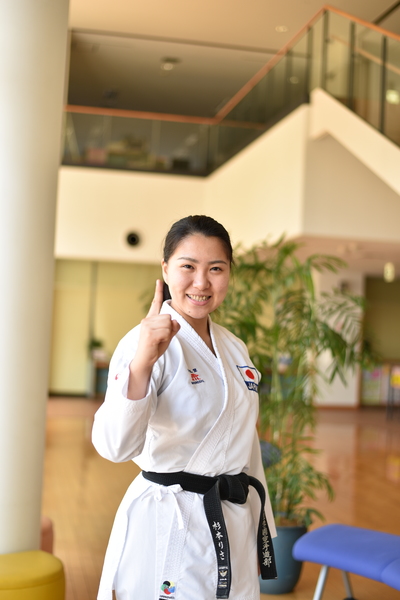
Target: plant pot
288,568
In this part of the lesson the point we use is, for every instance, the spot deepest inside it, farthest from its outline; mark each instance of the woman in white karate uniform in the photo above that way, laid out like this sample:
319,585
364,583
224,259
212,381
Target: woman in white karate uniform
182,399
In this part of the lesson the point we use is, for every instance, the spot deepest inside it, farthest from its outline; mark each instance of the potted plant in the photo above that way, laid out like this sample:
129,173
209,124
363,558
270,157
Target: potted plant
273,307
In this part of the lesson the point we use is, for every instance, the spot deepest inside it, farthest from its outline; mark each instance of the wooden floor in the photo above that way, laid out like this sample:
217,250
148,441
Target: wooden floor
82,491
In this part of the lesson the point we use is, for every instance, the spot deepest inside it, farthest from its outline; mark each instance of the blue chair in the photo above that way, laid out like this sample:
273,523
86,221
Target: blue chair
365,552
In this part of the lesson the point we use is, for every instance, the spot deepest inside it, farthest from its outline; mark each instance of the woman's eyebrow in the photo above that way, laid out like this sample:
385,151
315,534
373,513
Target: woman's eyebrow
211,262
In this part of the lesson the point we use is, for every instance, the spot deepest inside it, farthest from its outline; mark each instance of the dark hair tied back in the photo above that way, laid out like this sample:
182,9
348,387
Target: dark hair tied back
200,224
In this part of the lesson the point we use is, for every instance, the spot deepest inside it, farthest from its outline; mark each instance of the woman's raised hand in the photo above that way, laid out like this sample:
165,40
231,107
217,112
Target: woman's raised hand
156,333
156,330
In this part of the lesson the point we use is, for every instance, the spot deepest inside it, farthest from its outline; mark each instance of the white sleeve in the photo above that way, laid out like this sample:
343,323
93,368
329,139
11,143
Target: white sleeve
120,424
257,470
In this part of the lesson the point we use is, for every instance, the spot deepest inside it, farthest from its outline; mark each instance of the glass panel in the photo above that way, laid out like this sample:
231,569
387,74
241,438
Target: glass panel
337,57
367,69
182,147
298,71
138,144
227,141
283,87
128,143
316,54
269,97
251,109
277,89
392,93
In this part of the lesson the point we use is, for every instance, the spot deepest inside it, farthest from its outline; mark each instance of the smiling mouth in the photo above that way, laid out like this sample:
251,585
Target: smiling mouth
198,298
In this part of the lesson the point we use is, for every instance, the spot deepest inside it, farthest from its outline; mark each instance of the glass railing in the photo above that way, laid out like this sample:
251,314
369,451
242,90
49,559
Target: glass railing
357,63
156,145
284,86
114,142
362,70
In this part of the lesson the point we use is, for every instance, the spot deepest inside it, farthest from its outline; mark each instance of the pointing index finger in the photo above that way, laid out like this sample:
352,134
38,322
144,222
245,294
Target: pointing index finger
157,300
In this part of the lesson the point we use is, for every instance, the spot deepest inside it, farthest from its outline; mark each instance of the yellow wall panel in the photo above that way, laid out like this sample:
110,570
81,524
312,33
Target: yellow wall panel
382,319
69,369
100,300
120,299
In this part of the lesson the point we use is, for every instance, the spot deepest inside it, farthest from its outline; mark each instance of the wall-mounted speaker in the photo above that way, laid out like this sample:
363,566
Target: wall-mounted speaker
133,239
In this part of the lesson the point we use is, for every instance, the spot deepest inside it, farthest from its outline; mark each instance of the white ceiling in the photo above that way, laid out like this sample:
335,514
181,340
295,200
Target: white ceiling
126,73
392,22
234,22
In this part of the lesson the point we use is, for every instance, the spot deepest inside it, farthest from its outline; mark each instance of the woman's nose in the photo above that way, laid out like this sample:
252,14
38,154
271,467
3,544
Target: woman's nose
201,281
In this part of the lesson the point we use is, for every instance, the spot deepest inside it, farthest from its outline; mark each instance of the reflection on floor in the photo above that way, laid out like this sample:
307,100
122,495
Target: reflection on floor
361,452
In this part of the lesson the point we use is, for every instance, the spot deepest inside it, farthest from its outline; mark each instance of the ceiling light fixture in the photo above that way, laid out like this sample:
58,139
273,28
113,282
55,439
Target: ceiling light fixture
389,272
392,97
168,64
281,28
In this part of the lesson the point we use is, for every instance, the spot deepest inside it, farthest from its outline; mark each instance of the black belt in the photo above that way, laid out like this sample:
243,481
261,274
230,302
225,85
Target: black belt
234,488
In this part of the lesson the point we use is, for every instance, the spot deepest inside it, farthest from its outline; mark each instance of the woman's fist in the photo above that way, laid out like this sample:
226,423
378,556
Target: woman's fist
156,330
156,333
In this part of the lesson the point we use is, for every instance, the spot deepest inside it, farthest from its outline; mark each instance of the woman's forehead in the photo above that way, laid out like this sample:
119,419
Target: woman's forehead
199,246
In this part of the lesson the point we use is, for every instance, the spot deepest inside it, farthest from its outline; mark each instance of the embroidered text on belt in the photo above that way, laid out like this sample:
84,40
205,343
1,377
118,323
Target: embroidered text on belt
234,488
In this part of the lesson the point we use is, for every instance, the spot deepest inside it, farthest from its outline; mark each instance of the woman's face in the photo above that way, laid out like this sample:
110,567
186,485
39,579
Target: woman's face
197,275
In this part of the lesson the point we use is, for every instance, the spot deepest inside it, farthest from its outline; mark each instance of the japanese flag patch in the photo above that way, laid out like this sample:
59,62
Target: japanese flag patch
250,377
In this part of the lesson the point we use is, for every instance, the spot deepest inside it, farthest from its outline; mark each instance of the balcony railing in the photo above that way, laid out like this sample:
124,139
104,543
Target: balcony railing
354,61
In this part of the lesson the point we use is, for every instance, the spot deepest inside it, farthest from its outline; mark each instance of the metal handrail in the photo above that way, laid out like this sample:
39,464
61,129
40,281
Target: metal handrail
138,114
367,24
151,116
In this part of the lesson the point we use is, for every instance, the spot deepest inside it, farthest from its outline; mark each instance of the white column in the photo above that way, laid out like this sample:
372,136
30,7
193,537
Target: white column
33,38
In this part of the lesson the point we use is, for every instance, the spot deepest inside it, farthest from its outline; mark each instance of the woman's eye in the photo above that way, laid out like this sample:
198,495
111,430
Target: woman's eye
216,269
187,266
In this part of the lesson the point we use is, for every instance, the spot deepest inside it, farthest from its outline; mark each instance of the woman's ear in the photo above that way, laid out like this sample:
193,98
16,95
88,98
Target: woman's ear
164,266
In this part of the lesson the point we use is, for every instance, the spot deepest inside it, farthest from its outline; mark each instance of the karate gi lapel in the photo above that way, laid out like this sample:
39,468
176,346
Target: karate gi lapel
220,431
207,453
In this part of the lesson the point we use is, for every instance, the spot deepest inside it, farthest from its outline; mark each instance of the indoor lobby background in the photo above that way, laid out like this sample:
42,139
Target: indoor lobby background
320,175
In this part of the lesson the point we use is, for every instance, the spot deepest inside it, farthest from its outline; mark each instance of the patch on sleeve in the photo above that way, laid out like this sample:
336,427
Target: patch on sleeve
250,377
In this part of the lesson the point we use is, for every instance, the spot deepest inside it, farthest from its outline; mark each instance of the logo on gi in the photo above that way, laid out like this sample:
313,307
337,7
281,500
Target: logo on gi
250,376
195,377
168,589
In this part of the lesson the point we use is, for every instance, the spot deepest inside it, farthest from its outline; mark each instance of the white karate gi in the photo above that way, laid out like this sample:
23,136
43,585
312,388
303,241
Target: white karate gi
199,415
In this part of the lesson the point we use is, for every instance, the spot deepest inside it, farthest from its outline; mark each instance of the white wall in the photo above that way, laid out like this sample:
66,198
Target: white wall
337,394
307,175
344,198
259,192
98,207
377,152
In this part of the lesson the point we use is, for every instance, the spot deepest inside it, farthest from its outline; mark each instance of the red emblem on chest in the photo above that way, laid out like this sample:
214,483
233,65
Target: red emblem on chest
195,377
